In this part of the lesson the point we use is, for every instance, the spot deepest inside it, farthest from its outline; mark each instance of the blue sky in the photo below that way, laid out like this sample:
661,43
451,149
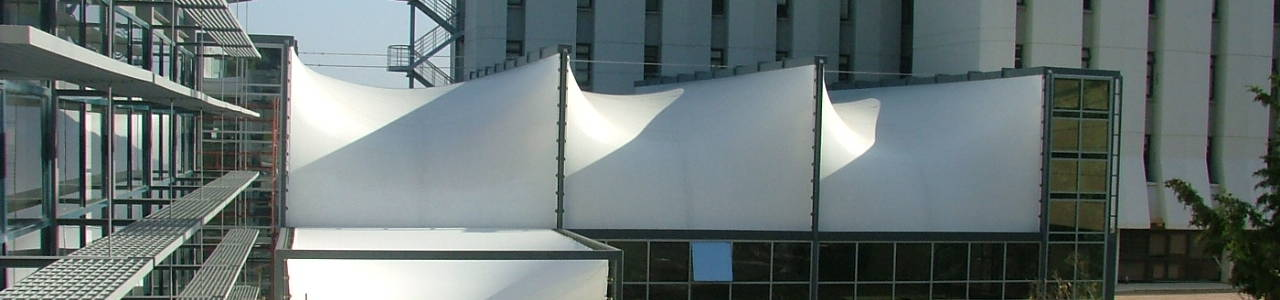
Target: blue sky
350,26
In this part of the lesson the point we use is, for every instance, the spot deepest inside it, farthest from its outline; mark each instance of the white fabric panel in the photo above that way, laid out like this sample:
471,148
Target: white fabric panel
457,239
416,279
727,154
474,154
931,168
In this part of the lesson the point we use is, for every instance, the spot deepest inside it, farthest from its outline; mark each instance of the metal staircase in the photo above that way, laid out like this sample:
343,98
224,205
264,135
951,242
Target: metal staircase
414,59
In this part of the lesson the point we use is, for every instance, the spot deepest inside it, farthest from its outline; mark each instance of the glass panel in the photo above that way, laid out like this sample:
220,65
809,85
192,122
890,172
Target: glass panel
875,262
1093,215
1062,260
668,261
1157,245
949,291
634,292
835,292
1018,290
750,292
911,291
21,12
1093,176
751,262
1178,244
710,291
836,262
791,262
1062,215
668,292
70,17
635,260
1091,261
1066,93
1066,134
987,262
913,262
1133,271
1023,261
1062,175
950,261
1087,290
94,16
712,261
984,291
1095,136
120,42
1097,94
875,291
790,292
23,183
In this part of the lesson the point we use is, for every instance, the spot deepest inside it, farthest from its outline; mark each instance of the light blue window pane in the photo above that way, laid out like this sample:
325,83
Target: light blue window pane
712,261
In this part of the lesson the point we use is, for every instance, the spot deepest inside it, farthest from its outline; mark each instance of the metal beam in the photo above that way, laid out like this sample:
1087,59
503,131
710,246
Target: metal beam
49,168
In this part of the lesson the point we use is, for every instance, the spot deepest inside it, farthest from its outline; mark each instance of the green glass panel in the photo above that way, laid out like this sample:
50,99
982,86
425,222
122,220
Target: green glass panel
1095,136
835,292
950,261
913,262
987,262
1087,290
669,291
635,260
791,262
1066,134
875,262
1066,93
1062,215
751,261
1024,261
1062,175
836,261
1093,215
875,291
668,261
1097,94
1091,261
1062,260
1093,176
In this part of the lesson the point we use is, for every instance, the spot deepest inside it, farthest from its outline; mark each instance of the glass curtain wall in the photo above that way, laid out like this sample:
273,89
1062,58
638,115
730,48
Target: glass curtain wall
1080,183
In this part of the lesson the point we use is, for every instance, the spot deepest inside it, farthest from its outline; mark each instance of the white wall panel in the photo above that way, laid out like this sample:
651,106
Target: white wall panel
1122,46
324,279
954,157
752,28
1244,59
954,37
727,154
1180,142
619,36
474,154
815,29
1054,33
686,36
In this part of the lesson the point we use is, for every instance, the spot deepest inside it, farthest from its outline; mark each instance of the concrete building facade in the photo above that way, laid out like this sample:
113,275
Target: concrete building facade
1185,67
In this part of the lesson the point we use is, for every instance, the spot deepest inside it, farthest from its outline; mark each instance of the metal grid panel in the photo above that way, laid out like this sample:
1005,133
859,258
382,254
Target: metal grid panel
214,14
243,292
81,278
218,274
89,274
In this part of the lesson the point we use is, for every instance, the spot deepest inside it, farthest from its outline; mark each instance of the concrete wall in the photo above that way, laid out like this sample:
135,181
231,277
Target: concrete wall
877,35
815,29
686,36
1245,37
1123,47
486,34
1053,33
1180,137
621,40
752,28
549,23
962,36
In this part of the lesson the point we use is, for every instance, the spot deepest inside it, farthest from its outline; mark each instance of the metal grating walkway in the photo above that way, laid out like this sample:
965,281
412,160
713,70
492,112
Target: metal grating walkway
217,276
110,267
243,292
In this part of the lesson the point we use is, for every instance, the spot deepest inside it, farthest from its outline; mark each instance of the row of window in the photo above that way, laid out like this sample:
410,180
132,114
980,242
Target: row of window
844,291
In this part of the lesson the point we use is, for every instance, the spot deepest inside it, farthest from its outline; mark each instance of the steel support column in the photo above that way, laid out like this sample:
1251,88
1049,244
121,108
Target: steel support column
49,166
819,87
147,148
108,158
560,134
84,180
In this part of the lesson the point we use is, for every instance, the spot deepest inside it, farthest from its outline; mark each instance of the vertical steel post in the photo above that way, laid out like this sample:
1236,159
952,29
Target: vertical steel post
147,151
108,159
560,134
84,180
413,50
4,176
819,87
173,150
49,166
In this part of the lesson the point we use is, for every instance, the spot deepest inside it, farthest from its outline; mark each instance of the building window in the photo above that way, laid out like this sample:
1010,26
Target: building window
515,48
1017,56
1152,8
652,58
845,65
1151,75
712,261
515,3
784,9
846,9
653,6
1086,57
718,59
1088,5
1216,7
586,4
718,7
781,55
